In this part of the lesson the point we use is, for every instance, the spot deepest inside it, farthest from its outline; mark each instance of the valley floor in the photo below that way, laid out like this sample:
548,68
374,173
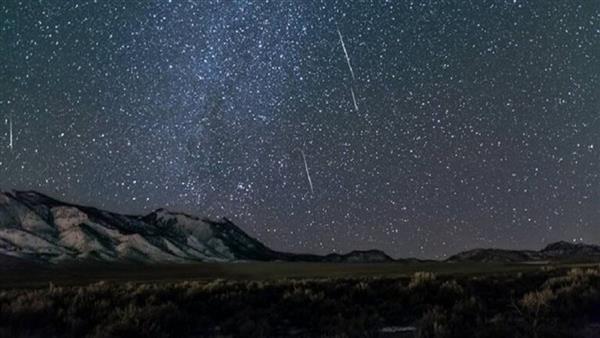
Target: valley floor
29,275
301,300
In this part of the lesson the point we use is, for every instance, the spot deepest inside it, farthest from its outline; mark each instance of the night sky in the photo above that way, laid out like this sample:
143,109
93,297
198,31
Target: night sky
421,128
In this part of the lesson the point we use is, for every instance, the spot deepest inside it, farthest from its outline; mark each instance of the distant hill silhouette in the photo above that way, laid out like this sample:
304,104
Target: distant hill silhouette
556,251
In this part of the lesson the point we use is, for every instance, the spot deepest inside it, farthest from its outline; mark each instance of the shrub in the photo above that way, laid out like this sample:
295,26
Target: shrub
433,324
421,278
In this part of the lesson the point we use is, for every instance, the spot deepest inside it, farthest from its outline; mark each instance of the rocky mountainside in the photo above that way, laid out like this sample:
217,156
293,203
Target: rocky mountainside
552,252
35,227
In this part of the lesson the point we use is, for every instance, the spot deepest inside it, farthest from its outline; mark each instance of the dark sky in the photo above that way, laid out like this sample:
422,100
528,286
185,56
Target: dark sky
475,122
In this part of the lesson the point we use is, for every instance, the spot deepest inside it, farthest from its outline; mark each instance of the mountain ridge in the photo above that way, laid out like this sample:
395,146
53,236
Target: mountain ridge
561,250
36,227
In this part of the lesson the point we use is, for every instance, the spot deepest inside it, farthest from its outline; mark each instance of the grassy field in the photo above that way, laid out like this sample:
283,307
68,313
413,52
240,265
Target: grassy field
35,276
428,299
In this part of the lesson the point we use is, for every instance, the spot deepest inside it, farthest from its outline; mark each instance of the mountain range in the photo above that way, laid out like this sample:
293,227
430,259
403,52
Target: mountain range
552,252
38,228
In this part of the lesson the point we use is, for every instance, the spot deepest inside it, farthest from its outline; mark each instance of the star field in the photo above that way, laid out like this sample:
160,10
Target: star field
442,126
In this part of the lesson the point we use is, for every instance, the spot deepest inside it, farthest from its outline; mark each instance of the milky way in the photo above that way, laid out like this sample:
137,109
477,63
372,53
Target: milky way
459,124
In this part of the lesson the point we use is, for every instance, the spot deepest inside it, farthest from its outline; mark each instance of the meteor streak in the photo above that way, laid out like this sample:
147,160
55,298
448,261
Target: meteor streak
10,133
346,53
349,67
310,184
354,99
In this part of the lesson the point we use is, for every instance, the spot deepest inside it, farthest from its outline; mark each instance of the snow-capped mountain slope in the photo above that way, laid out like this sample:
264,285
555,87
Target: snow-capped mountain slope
36,227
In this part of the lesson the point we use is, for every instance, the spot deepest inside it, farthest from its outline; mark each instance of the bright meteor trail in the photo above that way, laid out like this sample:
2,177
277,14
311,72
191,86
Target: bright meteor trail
10,133
312,191
346,53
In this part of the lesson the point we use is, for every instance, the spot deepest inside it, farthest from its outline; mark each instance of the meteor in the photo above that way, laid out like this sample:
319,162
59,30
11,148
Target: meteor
310,184
354,99
10,133
346,53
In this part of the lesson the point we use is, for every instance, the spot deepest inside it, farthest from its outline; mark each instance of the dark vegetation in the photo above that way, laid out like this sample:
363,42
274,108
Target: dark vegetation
539,302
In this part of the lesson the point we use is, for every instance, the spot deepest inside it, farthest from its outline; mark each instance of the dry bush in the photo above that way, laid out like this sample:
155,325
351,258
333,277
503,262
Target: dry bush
421,278
452,287
534,307
537,301
433,324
